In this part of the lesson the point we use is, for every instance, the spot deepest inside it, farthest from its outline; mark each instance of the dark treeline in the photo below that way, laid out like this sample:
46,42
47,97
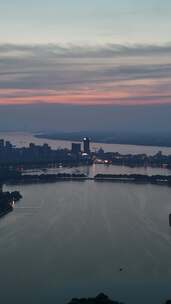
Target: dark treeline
14,177
101,299
46,178
135,178
7,199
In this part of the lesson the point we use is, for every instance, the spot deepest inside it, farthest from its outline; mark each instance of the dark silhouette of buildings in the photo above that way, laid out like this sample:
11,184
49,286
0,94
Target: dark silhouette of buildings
76,148
100,299
8,145
7,200
36,155
1,144
86,144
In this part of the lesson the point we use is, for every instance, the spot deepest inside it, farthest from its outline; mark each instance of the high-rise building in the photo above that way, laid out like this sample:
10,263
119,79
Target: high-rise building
76,148
8,145
32,146
86,143
1,143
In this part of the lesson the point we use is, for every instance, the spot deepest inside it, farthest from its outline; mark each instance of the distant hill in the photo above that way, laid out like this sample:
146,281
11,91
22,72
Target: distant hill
65,118
136,138
100,299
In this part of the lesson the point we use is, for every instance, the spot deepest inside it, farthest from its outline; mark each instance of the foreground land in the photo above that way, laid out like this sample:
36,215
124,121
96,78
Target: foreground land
100,299
7,200
16,177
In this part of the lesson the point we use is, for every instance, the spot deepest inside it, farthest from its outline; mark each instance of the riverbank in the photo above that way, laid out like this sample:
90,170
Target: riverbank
7,201
100,299
115,178
135,178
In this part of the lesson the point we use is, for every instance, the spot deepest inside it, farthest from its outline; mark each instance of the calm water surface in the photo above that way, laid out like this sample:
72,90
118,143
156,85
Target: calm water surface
71,238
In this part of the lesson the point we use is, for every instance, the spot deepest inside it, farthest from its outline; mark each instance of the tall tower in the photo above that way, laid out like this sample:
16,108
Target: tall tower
1,188
86,143
1,143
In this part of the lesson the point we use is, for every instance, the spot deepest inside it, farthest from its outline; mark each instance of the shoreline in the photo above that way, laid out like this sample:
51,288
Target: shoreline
101,141
6,211
64,177
7,201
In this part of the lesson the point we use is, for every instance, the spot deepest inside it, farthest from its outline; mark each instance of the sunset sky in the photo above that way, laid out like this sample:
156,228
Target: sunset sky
89,52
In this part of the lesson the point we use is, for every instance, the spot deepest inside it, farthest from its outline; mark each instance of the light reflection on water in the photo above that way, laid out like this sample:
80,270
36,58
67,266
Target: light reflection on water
71,238
100,168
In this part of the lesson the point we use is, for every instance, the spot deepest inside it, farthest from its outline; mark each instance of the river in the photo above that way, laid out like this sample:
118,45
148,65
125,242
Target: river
70,239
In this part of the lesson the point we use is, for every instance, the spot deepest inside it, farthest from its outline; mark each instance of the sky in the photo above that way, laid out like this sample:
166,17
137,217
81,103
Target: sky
133,119
90,21
93,52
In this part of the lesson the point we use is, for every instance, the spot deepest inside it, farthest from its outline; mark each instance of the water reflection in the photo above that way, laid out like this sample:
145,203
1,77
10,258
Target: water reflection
101,168
71,239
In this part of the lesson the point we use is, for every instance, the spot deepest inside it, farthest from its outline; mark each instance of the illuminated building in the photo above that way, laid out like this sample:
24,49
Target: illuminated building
86,143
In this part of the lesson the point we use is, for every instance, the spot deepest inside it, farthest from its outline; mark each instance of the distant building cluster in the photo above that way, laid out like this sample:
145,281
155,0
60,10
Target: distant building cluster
79,154
76,147
5,145
37,154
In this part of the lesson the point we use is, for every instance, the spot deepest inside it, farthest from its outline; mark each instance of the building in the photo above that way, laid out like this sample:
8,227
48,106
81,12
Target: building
86,145
32,146
8,145
1,143
76,148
